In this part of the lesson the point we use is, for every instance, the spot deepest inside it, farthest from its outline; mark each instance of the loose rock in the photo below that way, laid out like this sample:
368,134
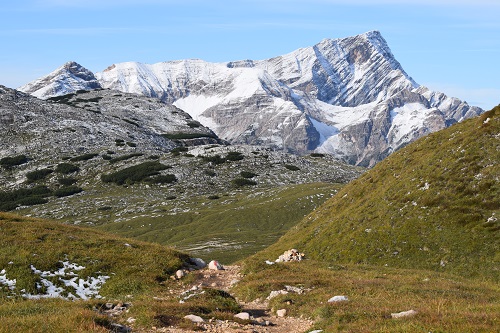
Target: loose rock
243,315
336,299
291,255
194,318
281,313
214,265
409,313
180,274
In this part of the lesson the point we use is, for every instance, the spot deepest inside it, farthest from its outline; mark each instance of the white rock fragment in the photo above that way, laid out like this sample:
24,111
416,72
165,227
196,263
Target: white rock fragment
215,265
316,331
404,314
243,316
275,293
291,255
269,262
194,318
281,313
180,274
339,298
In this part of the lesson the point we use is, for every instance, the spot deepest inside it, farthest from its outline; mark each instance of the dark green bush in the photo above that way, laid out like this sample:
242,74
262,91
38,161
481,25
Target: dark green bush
134,174
9,200
215,159
210,173
38,174
162,179
67,191
131,144
66,168
9,162
193,124
292,167
247,174
154,157
185,136
213,197
119,142
124,157
234,156
83,157
67,181
178,150
106,157
317,155
243,182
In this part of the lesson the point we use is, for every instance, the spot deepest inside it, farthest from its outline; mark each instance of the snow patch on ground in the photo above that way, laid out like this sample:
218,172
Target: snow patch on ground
52,284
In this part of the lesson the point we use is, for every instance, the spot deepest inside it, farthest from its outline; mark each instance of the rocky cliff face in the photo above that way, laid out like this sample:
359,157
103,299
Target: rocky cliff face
347,97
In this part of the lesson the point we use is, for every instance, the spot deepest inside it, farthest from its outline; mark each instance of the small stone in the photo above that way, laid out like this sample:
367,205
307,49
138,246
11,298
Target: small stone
243,316
336,299
281,313
180,274
409,313
194,318
198,262
214,265
131,320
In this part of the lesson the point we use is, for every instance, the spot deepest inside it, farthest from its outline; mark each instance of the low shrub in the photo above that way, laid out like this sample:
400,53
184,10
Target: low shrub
186,136
134,174
10,200
234,156
243,182
66,168
193,124
215,159
124,157
83,157
210,173
131,144
317,155
67,191
162,179
292,167
178,150
38,174
67,181
9,162
247,174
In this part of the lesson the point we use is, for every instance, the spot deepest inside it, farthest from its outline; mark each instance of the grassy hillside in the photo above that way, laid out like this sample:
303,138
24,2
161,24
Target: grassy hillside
432,205
40,253
230,227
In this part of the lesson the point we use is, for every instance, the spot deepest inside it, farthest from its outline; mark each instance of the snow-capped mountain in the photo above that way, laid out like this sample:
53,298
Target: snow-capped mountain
348,97
68,78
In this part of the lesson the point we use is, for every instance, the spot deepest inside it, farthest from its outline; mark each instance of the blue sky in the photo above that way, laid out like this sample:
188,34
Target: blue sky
451,46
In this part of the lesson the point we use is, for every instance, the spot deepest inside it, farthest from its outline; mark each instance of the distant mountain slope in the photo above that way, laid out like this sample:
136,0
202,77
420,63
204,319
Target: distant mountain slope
348,97
92,120
434,205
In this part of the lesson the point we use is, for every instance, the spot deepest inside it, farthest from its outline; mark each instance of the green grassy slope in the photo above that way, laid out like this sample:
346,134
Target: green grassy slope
134,267
432,205
231,227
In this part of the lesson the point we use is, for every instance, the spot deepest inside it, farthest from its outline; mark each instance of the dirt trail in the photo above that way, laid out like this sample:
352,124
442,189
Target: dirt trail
259,312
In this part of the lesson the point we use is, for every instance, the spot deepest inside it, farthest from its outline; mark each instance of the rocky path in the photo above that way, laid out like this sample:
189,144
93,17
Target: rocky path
262,320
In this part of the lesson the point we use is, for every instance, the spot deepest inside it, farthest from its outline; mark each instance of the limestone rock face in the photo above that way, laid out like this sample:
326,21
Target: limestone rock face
348,97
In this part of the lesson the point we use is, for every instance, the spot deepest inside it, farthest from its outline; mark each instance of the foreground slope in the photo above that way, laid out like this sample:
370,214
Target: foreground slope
432,205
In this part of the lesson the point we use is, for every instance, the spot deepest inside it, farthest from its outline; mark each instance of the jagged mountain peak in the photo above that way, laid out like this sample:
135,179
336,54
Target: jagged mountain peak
349,97
66,79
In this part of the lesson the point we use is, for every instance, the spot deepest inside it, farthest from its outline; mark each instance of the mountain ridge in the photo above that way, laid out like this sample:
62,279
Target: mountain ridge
335,97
